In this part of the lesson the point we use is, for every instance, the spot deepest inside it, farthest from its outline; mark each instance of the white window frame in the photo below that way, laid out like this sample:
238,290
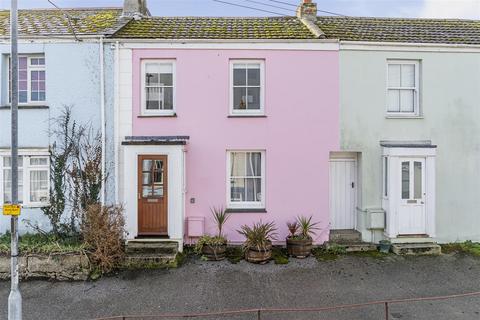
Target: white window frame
144,111
416,89
27,168
385,177
248,112
245,204
29,79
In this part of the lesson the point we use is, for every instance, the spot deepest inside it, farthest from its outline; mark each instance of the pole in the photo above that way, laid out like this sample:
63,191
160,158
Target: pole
15,298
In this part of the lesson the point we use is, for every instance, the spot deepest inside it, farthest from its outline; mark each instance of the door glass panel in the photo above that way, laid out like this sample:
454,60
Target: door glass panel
146,191
158,190
417,180
158,172
406,180
146,178
147,165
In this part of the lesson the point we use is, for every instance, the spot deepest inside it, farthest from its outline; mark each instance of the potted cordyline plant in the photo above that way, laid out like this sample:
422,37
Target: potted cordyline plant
258,241
214,248
299,241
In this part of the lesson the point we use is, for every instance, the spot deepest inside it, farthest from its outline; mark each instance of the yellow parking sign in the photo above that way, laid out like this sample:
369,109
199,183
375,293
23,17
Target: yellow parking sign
11,209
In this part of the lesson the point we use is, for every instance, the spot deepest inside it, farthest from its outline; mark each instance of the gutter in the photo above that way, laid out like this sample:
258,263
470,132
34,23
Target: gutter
220,41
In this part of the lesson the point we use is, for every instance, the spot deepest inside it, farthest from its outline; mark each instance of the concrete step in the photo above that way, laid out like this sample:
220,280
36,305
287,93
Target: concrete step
345,236
352,246
139,261
151,247
426,248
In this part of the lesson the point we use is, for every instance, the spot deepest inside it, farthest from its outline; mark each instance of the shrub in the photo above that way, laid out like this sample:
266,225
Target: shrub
259,236
220,216
303,228
209,241
103,231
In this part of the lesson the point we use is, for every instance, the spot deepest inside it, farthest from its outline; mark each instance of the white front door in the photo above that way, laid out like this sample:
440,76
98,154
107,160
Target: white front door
411,211
343,184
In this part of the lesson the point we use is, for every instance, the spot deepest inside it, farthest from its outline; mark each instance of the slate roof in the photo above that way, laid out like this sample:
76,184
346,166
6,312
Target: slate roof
215,28
447,31
52,22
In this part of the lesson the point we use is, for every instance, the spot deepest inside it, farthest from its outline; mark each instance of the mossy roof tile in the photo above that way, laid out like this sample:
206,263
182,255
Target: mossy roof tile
446,31
215,28
46,22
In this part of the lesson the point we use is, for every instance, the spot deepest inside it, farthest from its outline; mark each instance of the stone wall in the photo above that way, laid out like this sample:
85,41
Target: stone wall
55,266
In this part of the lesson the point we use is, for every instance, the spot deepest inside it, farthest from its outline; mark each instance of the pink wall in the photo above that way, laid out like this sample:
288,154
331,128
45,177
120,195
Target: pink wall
301,128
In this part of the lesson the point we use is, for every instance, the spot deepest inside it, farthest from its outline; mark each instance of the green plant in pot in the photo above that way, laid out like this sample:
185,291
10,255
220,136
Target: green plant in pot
299,241
258,241
214,248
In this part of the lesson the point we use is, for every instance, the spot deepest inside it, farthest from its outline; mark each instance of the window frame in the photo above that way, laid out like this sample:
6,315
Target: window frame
245,204
416,89
248,112
27,168
29,79
143,101
385,177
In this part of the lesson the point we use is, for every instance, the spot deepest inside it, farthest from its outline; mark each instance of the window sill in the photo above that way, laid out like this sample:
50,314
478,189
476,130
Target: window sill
26,107
247,116
166,115
403,117
245,210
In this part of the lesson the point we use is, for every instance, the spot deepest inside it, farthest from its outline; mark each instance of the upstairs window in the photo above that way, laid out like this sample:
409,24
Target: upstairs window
158,87
403,88
31,80
247,78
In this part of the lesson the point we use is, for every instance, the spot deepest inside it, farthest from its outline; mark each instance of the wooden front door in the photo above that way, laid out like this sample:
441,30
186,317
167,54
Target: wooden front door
152,195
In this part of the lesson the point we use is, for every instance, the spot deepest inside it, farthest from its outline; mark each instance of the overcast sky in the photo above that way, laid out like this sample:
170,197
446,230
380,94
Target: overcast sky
467,9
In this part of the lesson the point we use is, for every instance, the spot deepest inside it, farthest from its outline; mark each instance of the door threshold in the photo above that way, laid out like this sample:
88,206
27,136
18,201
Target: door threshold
152,236
413,236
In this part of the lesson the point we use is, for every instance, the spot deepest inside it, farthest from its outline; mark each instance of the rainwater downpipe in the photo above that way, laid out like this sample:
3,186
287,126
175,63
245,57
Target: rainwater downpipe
102,116
116,119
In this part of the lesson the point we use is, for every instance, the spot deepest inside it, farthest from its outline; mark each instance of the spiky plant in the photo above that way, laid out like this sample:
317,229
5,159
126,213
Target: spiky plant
293,228
220,215
259,236
307,227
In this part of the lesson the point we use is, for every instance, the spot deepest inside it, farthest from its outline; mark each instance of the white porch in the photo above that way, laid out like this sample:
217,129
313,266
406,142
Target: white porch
174,149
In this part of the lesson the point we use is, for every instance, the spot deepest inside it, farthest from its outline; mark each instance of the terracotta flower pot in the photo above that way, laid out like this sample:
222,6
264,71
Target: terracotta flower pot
299,248
260,256
214,253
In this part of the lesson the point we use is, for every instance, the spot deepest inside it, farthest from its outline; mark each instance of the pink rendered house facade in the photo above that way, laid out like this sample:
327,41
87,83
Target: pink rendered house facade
247,127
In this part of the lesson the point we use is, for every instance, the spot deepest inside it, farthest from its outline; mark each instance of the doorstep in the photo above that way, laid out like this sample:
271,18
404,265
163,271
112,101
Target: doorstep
412,239
427,248
150,253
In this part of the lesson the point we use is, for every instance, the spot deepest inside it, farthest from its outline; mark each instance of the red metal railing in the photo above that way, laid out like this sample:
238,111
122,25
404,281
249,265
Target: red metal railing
261,311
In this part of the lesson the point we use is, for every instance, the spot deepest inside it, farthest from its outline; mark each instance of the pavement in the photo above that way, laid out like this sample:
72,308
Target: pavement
201,286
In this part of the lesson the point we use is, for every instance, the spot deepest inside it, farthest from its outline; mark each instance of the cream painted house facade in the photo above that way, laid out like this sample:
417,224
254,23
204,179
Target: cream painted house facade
410,123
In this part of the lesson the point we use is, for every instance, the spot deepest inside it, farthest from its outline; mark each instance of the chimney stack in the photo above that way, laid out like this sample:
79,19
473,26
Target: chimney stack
307,10
136,9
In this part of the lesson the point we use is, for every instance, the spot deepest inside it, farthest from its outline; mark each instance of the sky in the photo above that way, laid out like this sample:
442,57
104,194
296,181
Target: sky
464,9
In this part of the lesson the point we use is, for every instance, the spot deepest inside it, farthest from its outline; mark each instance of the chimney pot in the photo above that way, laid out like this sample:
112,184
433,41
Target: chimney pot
307,10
